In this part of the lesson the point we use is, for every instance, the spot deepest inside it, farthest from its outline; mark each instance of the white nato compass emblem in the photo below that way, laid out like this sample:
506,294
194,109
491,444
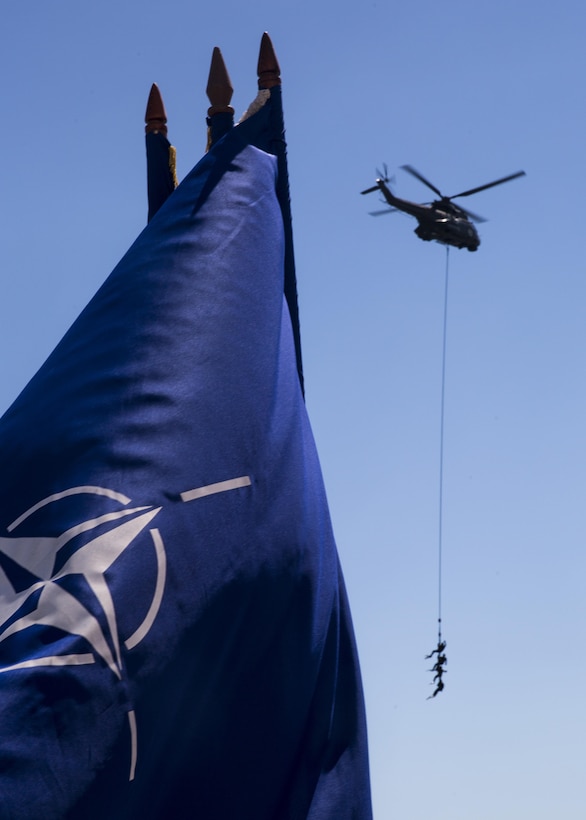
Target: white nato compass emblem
103,540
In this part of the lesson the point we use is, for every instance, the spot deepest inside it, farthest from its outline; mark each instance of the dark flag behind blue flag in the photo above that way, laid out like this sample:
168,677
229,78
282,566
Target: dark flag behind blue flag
175,639
160,154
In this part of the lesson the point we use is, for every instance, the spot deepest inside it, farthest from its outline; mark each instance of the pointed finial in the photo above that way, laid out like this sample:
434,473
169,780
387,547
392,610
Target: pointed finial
269,71
219,88
156,116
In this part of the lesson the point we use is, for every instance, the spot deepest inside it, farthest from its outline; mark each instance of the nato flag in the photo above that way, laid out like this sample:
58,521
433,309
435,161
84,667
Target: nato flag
175,640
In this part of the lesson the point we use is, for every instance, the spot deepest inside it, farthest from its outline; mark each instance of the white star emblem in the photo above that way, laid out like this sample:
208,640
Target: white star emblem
55,606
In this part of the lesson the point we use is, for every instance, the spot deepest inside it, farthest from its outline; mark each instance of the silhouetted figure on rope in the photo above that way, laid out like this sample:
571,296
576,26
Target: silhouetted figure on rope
438,667
438,689
439,649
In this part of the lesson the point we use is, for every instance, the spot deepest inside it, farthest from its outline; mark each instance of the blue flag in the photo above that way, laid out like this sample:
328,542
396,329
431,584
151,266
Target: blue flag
175,639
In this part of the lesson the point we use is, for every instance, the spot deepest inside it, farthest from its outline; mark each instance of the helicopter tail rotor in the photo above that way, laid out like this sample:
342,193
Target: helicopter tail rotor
384,174
382,177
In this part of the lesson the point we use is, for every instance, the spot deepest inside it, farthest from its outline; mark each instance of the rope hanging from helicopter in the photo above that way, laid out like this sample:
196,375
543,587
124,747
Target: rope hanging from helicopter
452,225
440,662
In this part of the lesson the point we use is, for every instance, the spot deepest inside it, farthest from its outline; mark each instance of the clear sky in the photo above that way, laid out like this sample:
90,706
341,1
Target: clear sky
466,92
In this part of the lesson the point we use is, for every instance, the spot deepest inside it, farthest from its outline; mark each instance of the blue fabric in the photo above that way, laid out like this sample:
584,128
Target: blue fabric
203,658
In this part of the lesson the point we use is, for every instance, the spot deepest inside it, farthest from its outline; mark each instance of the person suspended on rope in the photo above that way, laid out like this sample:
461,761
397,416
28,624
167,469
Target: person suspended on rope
439,667
438,689
441,645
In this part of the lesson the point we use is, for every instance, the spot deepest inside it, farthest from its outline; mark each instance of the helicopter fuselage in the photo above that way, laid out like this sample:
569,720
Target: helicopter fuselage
441,221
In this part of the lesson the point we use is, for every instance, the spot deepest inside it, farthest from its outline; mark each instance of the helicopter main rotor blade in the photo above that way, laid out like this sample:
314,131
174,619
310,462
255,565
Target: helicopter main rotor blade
471,215
489,185
415,173
383,212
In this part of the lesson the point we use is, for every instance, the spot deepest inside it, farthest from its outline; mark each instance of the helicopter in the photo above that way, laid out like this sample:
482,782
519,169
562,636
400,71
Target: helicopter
440,220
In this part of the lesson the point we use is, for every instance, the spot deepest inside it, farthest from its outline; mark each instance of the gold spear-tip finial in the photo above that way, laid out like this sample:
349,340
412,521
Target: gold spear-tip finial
155,116
219,88
269,71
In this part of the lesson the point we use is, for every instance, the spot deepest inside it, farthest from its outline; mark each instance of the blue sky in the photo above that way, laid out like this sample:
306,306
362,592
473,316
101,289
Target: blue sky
466,93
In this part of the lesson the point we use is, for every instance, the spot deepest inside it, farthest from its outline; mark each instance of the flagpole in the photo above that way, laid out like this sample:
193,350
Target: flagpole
219,90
